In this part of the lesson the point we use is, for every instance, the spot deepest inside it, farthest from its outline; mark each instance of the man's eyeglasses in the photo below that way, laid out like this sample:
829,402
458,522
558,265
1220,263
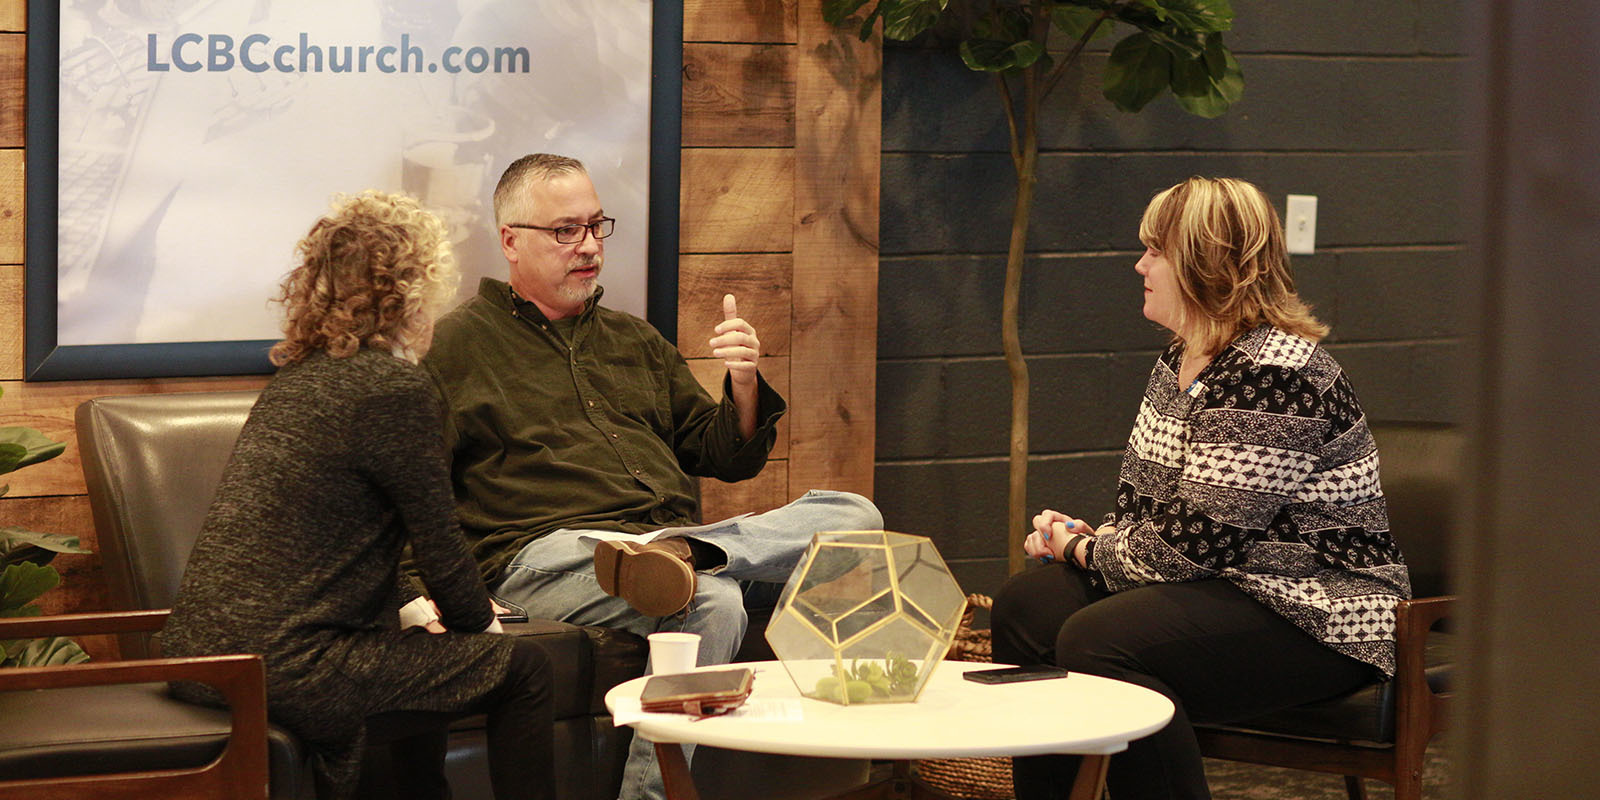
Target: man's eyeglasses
572,234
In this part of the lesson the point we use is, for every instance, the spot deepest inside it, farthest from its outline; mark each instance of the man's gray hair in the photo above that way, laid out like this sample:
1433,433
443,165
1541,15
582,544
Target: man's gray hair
510,196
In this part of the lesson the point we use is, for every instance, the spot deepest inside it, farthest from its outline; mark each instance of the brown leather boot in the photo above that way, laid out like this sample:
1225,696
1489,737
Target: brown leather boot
656,578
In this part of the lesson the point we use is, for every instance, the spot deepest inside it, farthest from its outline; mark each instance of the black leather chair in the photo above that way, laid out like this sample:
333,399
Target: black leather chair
152,463
1382,730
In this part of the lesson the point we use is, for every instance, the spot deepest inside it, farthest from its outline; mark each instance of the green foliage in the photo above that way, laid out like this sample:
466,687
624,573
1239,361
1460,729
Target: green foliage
1170,44
864,681
20,544
22,583
25,555
1000,42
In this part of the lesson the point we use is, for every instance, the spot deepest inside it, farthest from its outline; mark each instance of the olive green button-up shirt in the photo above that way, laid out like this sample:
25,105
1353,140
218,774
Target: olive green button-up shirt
597,425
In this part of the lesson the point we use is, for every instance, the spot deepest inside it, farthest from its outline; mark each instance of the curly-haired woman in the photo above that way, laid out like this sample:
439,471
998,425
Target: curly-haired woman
339,467
1248,566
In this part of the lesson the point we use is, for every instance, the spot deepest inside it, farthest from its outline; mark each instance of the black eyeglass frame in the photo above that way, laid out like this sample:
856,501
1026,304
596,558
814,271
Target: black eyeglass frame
593,228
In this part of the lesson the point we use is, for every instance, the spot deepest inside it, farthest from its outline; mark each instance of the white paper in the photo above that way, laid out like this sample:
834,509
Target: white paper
781,709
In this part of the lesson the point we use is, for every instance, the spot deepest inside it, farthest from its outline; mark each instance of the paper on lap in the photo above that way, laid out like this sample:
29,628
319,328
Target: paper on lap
593,537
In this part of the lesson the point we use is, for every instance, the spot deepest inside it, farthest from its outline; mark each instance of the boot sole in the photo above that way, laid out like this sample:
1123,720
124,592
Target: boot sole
654,583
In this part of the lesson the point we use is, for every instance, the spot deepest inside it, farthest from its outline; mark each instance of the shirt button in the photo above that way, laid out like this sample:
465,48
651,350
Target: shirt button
591,404
613,436
638,472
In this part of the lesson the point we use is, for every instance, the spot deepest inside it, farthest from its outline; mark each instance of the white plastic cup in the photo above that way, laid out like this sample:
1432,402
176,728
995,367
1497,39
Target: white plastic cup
673,652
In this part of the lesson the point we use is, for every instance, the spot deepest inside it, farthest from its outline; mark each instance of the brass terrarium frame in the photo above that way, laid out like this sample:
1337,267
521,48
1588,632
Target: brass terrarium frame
866,617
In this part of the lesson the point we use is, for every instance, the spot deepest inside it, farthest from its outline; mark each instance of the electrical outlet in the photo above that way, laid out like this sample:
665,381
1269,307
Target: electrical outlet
1300,224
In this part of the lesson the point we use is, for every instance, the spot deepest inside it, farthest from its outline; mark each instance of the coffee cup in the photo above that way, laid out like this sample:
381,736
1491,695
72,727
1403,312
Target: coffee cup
672,652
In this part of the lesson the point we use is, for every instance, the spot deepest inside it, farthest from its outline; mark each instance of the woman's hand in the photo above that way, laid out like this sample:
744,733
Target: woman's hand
1051,532
433,625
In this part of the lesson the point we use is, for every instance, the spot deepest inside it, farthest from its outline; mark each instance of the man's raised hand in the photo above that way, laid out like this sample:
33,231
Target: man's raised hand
735,342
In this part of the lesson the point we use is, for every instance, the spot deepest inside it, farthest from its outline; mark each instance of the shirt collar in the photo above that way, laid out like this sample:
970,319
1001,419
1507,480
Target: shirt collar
500,294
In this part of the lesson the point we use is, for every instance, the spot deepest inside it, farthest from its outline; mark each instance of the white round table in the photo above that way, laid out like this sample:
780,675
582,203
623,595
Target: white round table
953,718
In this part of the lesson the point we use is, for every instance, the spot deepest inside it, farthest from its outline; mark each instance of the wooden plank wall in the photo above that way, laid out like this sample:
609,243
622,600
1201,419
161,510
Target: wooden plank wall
779,207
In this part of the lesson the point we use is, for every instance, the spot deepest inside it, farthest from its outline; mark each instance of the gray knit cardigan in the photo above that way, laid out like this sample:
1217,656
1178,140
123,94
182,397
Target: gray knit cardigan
339,467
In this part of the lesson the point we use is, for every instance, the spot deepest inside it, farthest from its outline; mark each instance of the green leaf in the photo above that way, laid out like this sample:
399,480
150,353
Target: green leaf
1203,95
1137,71
987,55
57,651
35,446
1217,56
905,19
1003,23
21,544
1182,42
21,583
1198,16
1190,78
1074,20
836,12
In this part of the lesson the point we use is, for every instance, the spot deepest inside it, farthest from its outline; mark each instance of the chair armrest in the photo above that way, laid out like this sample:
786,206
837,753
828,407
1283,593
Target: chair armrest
1416,704
240,679
1413,620
83,624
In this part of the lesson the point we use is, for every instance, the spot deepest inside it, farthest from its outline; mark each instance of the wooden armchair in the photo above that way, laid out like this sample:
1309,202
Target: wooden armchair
1382,730
109,730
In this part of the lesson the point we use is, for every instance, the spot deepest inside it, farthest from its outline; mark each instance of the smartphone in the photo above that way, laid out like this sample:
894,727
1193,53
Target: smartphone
1038,672
511,616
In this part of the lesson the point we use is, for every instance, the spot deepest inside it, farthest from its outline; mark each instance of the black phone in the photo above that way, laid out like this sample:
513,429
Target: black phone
1037,672
511,616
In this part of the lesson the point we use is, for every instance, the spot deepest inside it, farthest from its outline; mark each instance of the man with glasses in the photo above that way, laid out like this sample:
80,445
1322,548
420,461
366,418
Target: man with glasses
575,432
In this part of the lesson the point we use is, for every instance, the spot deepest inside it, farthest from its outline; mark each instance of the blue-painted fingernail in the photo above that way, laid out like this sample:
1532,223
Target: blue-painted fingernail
1045,559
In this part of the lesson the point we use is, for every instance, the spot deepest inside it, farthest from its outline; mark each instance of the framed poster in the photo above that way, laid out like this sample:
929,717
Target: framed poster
178,149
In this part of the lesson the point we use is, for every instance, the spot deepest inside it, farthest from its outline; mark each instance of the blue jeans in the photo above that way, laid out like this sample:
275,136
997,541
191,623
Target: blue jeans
553,578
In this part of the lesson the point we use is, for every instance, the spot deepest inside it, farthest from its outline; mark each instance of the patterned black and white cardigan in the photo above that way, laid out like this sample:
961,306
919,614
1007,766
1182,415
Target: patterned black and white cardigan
1262,472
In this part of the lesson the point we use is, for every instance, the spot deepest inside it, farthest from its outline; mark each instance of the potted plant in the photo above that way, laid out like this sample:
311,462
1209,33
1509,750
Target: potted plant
25,571
1027,46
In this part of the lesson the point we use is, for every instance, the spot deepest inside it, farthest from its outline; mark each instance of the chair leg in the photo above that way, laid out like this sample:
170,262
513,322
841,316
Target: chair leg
1408,786
1355,788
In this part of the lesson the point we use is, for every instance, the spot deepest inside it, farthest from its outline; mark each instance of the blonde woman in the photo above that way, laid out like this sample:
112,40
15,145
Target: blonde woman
339,467
1248,565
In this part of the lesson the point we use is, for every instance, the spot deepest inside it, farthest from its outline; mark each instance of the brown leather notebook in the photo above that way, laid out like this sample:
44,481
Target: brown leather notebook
701,694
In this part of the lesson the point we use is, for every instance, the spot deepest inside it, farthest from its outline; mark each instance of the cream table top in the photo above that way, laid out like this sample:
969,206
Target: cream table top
952,718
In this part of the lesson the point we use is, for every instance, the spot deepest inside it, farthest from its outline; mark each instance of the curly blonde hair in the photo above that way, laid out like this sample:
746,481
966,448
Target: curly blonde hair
1225,245
372,273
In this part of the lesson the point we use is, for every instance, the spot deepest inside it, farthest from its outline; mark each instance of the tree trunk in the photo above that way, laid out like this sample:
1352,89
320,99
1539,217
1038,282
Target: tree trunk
1026,163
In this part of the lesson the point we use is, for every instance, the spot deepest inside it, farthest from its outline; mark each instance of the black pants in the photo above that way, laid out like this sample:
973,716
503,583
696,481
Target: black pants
520,730
1213,650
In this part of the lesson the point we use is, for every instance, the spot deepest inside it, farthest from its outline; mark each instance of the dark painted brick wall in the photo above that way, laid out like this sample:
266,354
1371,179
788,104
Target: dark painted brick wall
1356,102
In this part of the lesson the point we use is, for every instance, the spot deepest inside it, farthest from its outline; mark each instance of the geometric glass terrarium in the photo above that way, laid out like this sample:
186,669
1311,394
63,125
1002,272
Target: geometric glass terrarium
866,617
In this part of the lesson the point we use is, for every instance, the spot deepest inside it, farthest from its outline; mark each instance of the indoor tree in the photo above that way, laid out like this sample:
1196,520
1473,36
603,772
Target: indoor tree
25,571
1168,44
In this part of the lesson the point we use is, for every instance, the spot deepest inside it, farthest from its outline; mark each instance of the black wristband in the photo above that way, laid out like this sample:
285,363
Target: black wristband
1069,553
